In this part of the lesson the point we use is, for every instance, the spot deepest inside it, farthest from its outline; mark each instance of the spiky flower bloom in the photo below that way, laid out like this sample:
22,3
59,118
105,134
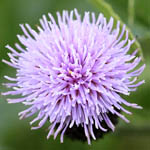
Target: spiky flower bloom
73,72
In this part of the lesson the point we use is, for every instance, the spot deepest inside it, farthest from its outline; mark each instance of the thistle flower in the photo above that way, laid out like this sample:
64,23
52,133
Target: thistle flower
73,72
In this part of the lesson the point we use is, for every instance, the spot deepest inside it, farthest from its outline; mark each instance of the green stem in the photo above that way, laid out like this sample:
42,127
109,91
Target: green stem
131,12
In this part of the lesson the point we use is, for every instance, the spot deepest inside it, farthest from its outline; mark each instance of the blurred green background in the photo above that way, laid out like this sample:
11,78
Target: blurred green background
16,134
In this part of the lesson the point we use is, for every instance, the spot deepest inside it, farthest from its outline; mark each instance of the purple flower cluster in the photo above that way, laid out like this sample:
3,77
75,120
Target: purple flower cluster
73,72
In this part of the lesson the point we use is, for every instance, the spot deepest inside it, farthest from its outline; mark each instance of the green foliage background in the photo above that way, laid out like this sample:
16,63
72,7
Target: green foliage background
16,134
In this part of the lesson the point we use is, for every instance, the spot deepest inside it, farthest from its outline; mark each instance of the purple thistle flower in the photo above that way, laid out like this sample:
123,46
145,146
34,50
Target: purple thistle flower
73,72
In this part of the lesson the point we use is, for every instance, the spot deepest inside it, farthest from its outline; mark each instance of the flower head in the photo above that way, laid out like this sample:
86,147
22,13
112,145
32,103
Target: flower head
73,72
